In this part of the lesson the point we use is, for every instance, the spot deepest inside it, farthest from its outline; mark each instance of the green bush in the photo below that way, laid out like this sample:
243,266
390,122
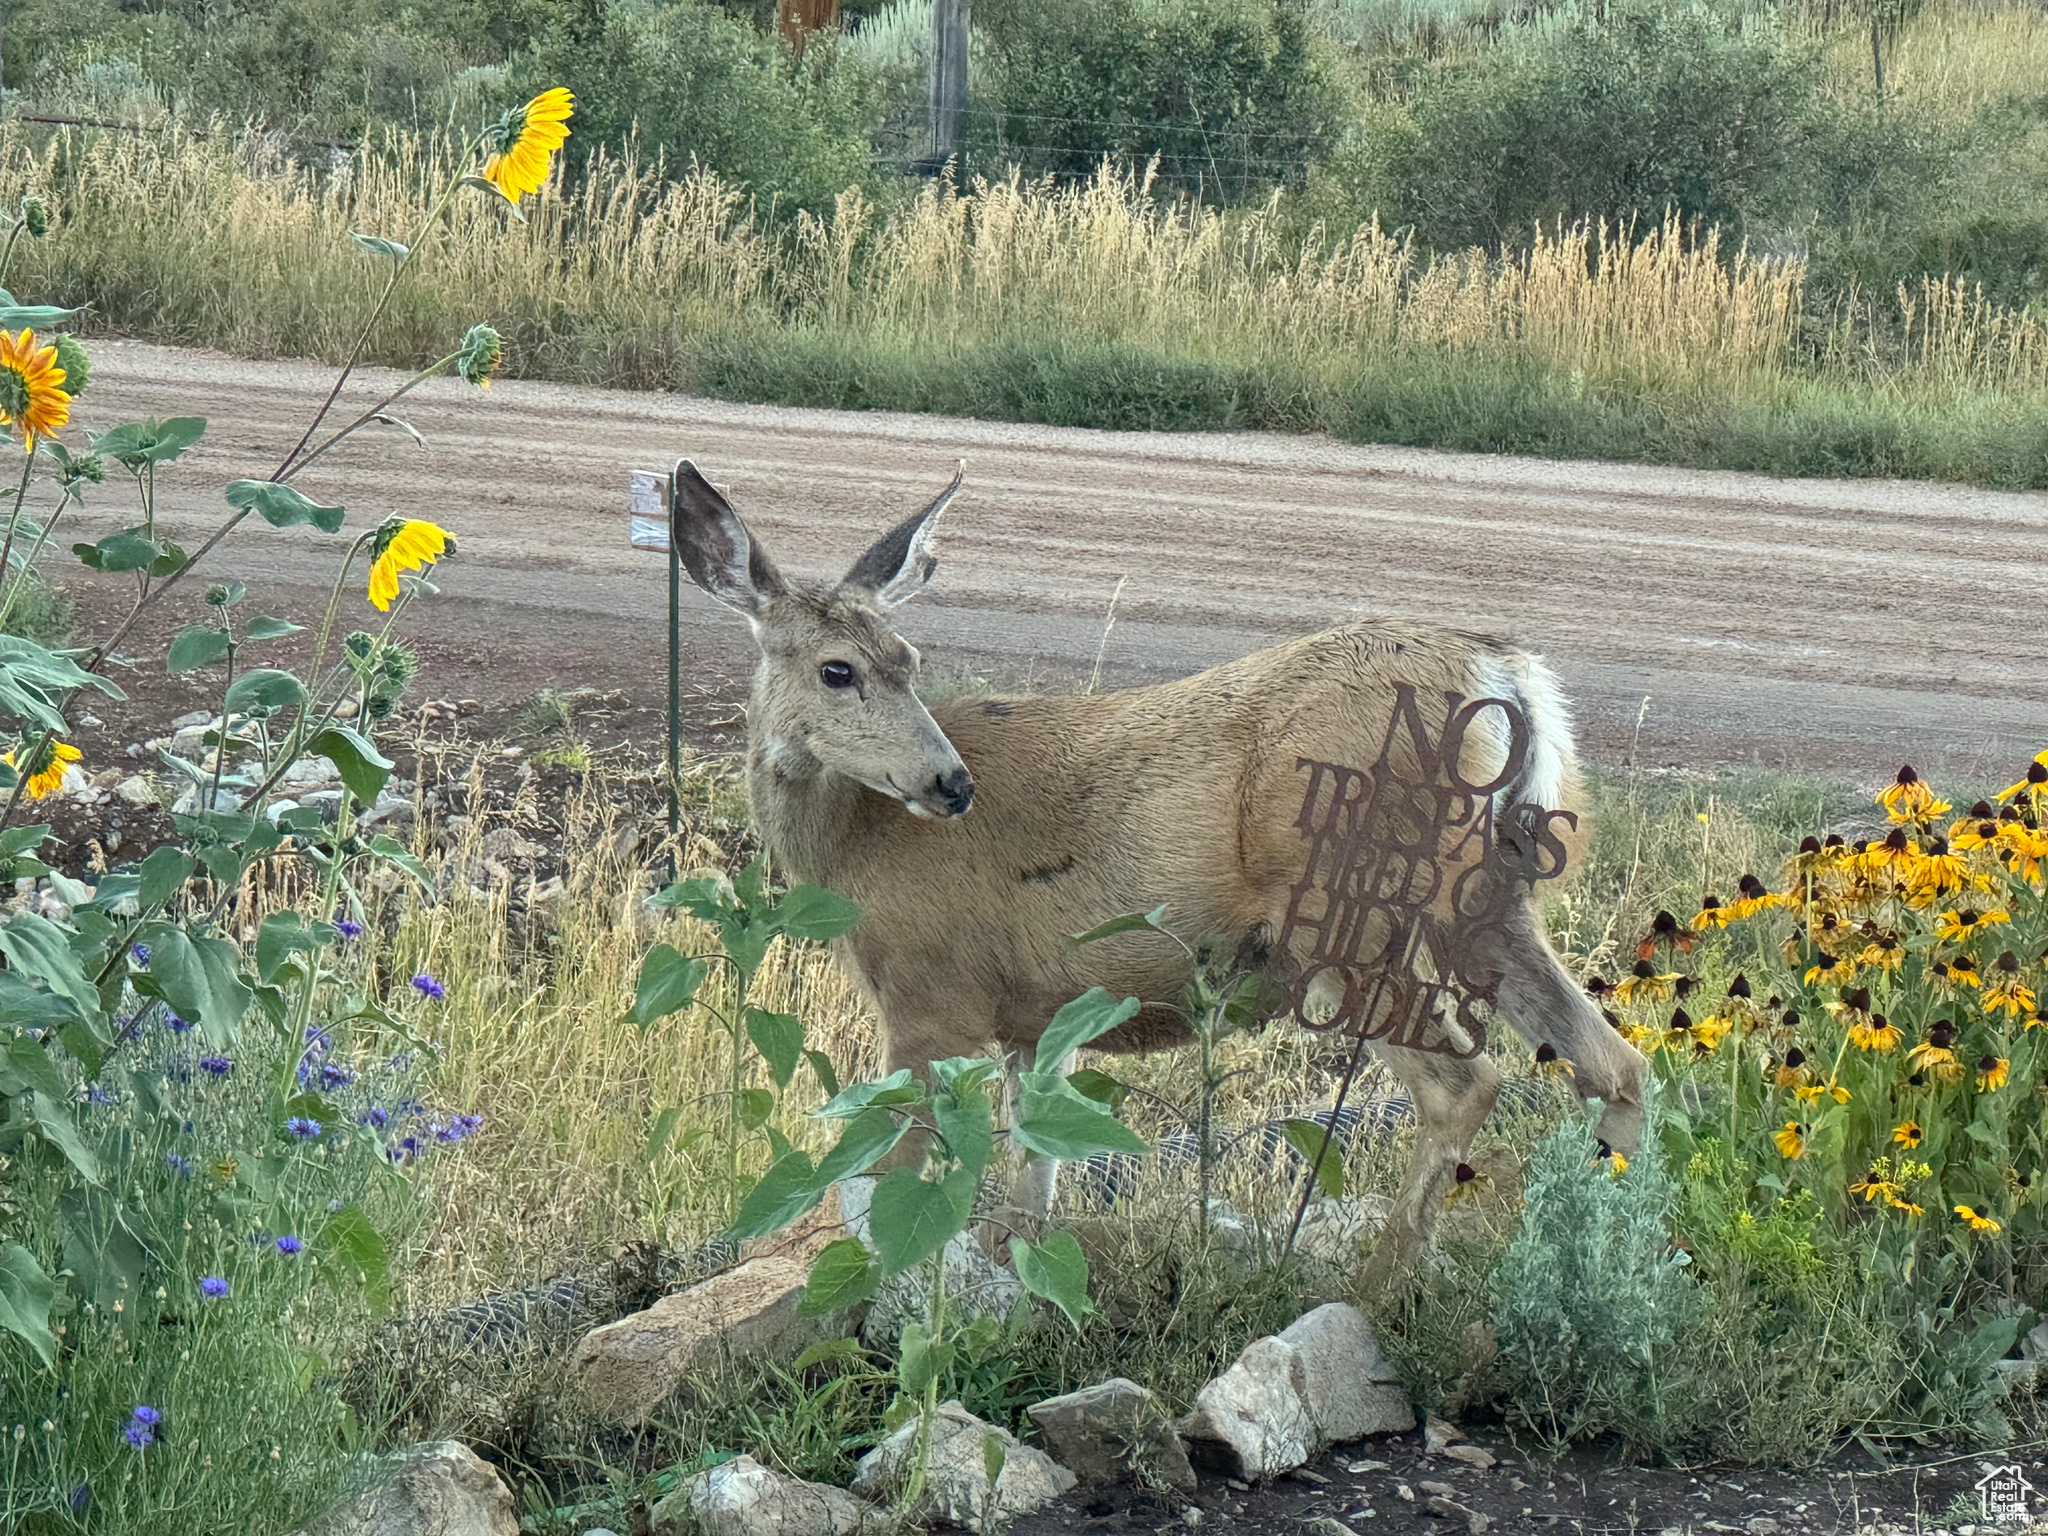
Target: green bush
1230,95
689,80
1715,114
1590,1298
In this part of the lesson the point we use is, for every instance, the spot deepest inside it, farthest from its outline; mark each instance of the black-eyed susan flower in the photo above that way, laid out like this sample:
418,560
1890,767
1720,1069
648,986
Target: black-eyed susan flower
1907,798
2005,989
1960,972
1883,953
1790,1141
1711,914
1467,1184
1876,1033
523,143
1992,1072
33,399
1753,897
1934,1057
1954,927
1645,984
1831,969
402,544
1979,1221
2033,784
46,777
1872,1187
1907,1133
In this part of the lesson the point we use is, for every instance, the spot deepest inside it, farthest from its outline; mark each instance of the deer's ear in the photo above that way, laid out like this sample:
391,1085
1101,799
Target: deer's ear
716,548
899,563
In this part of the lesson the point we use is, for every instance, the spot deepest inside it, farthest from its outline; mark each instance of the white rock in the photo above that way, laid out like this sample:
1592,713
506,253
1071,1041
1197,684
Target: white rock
199,717
957,1487
309,773
440,1488
1346,1382
1255,1417
744,1498
224,800
135,790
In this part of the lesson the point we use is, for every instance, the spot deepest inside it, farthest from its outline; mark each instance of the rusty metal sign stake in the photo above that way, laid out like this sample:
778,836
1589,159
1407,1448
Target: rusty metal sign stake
1413,870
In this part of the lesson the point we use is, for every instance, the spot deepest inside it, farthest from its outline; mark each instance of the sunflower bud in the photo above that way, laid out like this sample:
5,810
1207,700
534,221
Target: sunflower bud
76,365
35,215
483,349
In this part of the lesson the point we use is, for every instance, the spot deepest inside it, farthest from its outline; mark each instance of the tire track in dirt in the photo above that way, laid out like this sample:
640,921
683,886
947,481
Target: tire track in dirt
1821,625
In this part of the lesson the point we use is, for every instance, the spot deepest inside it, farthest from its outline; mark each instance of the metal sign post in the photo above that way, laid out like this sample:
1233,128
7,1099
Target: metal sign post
650,503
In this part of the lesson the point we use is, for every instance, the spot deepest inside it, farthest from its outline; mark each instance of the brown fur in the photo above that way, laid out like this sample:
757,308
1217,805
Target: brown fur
1085,807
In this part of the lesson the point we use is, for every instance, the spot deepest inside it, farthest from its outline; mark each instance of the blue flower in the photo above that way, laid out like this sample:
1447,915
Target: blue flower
376,1115
213,1287
175,1024
403,1150
140,952
457,1128
218,1066
303,1128
335,1075
289,1245
427,985
98,1095
138,1437
81,1496
347,929
317,1043
142,1424
146,1416
182,1166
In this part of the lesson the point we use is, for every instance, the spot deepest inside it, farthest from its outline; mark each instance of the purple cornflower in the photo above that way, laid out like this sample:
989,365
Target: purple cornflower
347,929
303,1128
139,1437
181,1165
430,987
403,1150
95,1094
218,1066
174,1024
289,1245
142,1423
457,1128
140,952
213,1287
334,1075
81,1496
146,1415
376,1115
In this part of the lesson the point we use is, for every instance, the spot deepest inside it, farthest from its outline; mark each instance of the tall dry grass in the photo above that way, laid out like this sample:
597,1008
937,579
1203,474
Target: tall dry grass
221,239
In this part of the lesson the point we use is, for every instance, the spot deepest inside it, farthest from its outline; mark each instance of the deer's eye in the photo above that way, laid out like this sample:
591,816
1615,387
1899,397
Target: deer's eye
835,674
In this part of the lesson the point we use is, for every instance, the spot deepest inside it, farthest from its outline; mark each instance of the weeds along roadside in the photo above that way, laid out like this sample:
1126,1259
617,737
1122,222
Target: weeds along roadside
1086,305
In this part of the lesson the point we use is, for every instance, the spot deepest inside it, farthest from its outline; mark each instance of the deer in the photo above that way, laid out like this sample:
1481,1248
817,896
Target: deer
979,835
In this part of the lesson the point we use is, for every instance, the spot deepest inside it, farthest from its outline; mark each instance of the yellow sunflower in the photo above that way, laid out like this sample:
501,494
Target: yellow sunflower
1979,1221
524,142
49,777
32,397
403,544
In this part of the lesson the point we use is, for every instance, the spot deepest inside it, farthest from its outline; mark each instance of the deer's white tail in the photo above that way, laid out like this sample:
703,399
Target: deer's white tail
1549,763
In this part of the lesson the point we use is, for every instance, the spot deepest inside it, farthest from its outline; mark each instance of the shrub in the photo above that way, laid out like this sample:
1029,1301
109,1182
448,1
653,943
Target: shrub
1708,113
691,82
1230,95
1590,1298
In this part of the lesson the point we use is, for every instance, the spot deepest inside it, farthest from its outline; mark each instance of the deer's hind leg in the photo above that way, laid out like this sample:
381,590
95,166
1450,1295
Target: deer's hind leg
1452,1096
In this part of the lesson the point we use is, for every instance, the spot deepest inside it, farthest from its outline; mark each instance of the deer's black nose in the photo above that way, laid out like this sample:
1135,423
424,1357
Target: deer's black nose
955,790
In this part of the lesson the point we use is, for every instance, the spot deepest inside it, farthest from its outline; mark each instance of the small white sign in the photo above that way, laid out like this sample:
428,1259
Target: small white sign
2003,1493
647,508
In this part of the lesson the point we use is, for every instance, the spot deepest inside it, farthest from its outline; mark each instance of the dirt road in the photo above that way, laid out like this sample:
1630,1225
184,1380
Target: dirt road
1827,626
